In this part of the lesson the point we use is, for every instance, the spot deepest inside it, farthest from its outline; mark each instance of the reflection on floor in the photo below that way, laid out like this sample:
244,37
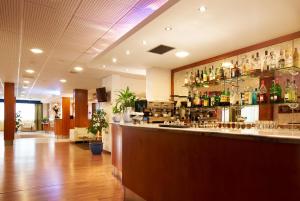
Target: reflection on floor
53,169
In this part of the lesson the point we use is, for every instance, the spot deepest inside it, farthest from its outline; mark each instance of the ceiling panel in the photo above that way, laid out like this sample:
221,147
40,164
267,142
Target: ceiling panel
10,15
107,12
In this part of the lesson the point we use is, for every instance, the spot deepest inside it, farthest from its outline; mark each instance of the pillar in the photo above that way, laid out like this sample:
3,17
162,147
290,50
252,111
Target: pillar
65,115
158,84
9,112
81,107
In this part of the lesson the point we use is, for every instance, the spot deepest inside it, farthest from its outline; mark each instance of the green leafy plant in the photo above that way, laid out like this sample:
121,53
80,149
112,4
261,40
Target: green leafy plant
126,98
97,123
116,109
45,120
18,120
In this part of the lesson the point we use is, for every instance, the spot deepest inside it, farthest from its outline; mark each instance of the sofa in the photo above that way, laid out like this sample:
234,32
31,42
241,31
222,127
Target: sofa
80,134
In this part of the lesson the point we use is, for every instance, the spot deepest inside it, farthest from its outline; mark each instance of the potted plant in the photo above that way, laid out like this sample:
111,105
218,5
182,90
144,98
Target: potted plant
97,123
125,101
117,113
18,120
45,120
56,109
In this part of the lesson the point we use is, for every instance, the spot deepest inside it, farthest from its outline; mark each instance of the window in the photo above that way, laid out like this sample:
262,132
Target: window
27,111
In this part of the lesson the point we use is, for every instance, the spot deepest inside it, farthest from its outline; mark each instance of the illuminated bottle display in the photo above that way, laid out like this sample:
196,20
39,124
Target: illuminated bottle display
262,93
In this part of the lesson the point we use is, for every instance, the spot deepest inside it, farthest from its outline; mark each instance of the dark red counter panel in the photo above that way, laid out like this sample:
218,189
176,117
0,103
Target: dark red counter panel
166,165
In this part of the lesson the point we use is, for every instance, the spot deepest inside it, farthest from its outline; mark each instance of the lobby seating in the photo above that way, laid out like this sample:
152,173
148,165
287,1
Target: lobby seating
80,134
28,126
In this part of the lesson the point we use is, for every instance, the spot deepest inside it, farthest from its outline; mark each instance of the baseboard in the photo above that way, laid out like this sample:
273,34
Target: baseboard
131,196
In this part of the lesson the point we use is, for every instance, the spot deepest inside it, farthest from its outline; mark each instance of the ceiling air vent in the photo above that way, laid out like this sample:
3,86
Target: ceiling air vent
161,49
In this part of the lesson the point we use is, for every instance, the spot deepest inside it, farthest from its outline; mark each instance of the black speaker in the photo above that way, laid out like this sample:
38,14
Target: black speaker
101,94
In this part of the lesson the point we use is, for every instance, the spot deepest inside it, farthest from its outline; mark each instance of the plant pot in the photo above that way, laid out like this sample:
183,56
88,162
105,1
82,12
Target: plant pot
96,147
126,115
117,118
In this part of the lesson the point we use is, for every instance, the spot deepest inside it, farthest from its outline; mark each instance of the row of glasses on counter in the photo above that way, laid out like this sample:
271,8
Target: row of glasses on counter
248,96
244,67
235,125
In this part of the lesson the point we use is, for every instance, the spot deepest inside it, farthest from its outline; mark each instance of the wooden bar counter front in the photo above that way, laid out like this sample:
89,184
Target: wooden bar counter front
182,165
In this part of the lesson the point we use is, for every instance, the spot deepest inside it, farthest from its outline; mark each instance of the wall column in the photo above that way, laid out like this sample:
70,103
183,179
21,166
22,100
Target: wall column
81,107
157,78
9,113
65,115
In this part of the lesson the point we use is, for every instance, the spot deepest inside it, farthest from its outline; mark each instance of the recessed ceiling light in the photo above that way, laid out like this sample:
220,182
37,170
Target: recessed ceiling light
182,54
63,81
26,82
36,51
202,9
114,60
144,42
30,71
168,28
22,92
78,68
104,66
25,87
127,70
127,52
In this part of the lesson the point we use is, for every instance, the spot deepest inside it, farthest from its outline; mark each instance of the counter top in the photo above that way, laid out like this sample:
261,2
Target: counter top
271,135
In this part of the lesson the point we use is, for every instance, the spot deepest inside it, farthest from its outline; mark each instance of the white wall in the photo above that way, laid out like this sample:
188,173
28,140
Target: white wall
114,83
158,84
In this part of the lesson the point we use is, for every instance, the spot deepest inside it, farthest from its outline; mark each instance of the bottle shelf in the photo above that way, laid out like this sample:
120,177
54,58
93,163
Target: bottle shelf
290,104
293,70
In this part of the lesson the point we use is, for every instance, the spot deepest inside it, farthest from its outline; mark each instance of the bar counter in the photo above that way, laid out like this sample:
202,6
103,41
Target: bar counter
207,164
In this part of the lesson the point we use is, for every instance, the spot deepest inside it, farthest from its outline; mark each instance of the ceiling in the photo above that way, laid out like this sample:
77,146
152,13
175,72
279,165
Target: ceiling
90,33
224,27
70,32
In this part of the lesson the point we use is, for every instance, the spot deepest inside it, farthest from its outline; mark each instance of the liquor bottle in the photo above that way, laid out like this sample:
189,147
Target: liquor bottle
278,92
223,98
296,61
206,100
197,99
233,70
227,97
212,75
252,65
190,100
265,66
273,63
217,100
209,74
233,96
272,92
198,77
212,100
201,76
288,58
192,78
254,96
257,64
205,75
281,61
287,93
294,91
242,98
186,79
262,93
222,73
248,96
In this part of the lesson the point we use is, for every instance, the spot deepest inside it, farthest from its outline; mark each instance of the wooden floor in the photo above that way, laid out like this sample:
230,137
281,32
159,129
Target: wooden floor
34,170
